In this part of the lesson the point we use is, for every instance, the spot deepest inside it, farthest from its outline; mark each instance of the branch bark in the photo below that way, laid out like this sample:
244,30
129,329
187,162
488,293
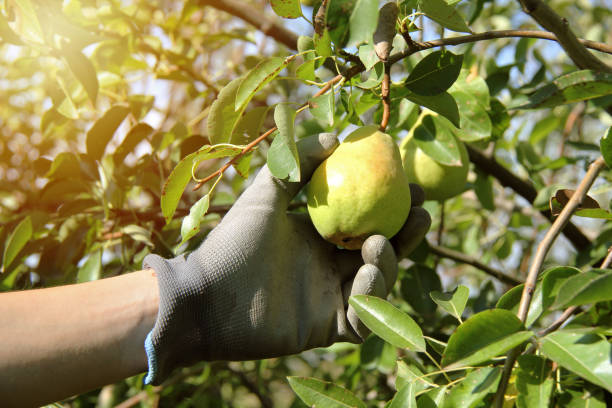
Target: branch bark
256,18
507,179
547,18
534,270
461,257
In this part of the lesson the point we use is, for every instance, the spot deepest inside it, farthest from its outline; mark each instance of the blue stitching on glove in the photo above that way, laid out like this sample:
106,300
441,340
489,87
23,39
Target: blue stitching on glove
151,360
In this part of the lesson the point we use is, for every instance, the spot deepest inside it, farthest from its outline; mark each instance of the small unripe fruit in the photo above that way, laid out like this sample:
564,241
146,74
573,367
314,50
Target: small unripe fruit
439,181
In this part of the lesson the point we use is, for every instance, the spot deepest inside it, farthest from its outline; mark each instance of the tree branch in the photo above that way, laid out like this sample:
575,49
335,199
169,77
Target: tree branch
254,143
463,258
256,18
547,18
534,270
491,35
507,179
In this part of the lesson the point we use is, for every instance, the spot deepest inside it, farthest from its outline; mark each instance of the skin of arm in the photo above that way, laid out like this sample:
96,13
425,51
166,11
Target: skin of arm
61,341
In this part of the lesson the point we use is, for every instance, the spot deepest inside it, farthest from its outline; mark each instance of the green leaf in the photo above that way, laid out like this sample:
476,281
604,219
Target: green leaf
605,145
512,298
581,398
434,139
338,20
304,44
500,118
375,77
141,105
6,32
443,14
543,128
474,85
16,241
287,8
323,43
404,398
573,87
306,71
587,287
29,22
323,394
534,382
552,280
410,374
442,103
322,107
475,121
137,134
453,302
191,223
597,213
375,353
483,187
388,322
83,70
103,130
283,158
587,355
433,398
483,336
419,280
91,269
249,125
243,164
65,165
363,21
183,172
368,56
66,107
474,388
257,78
138,234
222,116
435,73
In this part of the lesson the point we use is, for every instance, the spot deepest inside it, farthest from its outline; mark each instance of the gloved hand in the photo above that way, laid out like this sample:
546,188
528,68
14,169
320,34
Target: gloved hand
264,283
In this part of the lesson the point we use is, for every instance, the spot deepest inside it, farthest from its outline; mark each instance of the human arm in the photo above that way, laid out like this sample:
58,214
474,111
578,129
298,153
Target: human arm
61,341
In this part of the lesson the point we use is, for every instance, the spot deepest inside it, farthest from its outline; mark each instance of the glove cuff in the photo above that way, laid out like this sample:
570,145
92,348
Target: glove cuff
173,341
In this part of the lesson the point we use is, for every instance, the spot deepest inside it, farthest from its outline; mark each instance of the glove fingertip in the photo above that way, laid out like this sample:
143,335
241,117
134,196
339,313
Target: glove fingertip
413,231
313,150
417,195
368,281
377,251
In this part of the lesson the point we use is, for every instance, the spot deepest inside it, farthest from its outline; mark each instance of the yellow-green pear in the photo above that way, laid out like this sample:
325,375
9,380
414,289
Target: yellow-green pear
360,190
439,181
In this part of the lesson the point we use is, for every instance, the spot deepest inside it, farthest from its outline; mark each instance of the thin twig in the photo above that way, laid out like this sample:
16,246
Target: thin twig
386,103
554,231
255,142
560,320
608,260
320,18
463,258
542,251
491,35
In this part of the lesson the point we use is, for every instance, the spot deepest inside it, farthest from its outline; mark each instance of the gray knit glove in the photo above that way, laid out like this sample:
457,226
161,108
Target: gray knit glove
264,283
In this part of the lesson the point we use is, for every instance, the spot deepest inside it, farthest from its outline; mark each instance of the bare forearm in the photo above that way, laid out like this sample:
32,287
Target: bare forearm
62,341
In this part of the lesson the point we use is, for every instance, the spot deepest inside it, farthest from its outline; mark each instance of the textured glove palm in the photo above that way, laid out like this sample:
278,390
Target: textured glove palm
264,283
